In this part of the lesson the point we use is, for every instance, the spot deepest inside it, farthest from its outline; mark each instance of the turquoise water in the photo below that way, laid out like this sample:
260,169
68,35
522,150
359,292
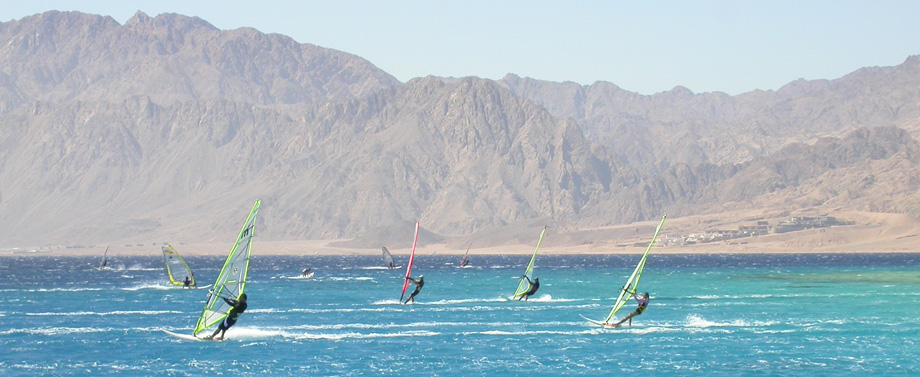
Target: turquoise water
717,315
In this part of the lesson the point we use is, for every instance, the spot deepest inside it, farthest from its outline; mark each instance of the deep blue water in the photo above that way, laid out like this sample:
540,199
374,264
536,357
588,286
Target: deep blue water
713,315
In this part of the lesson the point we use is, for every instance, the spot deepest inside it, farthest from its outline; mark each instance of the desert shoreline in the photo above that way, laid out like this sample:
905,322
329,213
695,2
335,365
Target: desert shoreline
322,248
873,233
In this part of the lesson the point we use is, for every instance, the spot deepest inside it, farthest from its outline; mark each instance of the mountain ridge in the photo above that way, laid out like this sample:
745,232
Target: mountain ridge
164,127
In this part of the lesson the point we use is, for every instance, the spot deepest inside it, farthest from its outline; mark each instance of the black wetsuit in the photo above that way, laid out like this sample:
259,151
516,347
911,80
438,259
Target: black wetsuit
237,309
418,287
534,285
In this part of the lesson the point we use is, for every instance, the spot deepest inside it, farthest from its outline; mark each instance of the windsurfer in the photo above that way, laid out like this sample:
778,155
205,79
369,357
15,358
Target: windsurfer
187,282
418,287
643,303
237,308
305,272
534,285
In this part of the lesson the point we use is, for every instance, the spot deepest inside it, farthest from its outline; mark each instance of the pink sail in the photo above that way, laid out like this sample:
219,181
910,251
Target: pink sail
409,265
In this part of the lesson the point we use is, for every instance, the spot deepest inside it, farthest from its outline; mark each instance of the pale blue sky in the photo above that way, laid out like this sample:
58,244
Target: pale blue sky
641,46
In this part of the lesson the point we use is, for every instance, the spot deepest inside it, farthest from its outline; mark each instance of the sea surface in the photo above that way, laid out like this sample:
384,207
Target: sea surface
710,315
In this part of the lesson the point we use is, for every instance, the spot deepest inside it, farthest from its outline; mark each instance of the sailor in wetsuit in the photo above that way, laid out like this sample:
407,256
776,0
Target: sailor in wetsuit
418,287
187,282
534,285
237,308
643,303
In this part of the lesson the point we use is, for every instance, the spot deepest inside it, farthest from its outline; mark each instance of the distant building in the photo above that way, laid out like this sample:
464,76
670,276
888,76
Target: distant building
803,222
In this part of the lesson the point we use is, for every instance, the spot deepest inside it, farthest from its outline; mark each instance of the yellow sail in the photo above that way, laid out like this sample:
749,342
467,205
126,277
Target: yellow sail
176,268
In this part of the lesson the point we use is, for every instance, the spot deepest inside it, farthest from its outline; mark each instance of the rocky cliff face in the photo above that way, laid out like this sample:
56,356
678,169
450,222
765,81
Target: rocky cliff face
166,128
681,127
68,56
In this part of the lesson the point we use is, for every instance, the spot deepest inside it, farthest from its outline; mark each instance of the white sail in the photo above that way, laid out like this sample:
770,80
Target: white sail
388,258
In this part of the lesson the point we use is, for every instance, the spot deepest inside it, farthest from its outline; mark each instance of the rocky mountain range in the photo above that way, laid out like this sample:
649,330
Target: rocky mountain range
167,128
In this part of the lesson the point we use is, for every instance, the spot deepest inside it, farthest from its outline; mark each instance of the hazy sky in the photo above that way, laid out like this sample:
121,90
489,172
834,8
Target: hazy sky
641,46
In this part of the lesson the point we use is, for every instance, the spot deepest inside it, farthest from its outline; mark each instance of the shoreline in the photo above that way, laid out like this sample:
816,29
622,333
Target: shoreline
877,234
322,248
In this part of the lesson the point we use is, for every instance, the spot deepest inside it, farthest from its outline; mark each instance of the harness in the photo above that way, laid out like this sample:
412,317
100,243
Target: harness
642,307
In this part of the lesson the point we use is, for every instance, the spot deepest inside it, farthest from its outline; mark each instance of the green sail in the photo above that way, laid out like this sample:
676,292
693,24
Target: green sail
232,279
629,288
523,285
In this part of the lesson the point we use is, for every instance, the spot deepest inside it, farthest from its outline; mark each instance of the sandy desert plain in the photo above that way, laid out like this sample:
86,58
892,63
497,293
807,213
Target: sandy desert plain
871,233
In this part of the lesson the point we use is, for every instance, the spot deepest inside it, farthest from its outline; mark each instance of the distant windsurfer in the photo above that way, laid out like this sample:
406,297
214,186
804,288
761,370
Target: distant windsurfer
534,285
418,287
643,303
305,272
237,307
187,282
466,257
388,258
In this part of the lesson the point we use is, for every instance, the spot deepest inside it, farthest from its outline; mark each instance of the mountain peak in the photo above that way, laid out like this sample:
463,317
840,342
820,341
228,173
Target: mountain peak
138,18
680,92
172,20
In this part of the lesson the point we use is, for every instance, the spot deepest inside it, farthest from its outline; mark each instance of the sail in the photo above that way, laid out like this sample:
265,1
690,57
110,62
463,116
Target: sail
176,268
629,289
466,257
232,278
105,259
388,258
409,265
524,286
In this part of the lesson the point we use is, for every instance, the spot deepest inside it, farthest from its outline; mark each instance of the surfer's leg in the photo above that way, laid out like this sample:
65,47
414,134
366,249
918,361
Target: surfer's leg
230,323
629,317
221,328
217,330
